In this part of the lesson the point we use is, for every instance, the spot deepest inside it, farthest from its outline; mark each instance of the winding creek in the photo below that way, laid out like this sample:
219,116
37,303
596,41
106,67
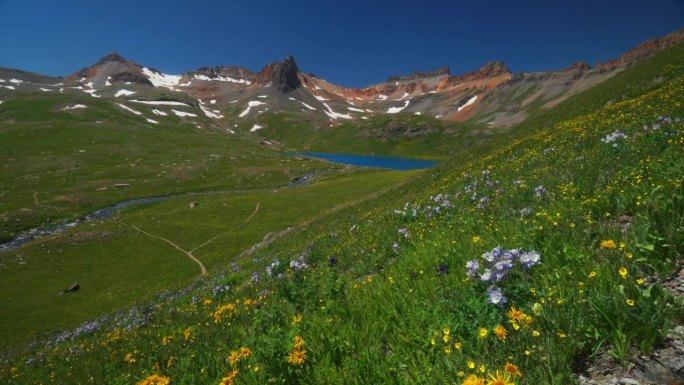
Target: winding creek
103,213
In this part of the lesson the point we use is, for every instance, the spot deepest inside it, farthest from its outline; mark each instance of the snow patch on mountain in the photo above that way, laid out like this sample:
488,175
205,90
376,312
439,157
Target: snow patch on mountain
183,113
158,112
129,109
355,109
222,79
161,80
394,110
74,107
92,93
256,127
123,92
215,114
320,98
335,115
468,103
161,103
252,103
305,105
45,89
152,121
16,81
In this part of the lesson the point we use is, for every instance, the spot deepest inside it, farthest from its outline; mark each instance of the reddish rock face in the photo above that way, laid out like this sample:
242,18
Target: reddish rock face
282,75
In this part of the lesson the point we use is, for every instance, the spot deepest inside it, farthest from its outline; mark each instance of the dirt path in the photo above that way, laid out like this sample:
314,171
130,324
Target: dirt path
186,252
228,231
189,253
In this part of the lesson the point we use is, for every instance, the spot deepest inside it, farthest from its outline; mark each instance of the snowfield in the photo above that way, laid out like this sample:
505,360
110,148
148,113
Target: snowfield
252,103
335,115
222,79
468,103
394,110
129,109
183,113
74,107
123,93
161,80
161,103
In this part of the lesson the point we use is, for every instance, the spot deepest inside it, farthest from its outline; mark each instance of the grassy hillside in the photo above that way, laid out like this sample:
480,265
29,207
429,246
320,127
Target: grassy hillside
397,135
512,263
56,163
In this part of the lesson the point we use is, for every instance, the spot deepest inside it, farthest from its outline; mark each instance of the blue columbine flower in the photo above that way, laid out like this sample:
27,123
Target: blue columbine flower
496,296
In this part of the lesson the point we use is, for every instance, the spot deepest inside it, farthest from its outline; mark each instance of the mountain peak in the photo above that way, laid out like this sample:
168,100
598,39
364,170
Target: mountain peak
110,57
494,68
282,75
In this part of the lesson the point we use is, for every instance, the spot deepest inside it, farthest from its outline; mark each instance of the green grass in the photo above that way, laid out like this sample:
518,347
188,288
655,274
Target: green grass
385,296
117,266
55,161
397,135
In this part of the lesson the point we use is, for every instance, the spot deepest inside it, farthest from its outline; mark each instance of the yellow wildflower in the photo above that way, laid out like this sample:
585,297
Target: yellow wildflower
471,364
623,272
630,302
234,358
230,378
500,332
297,357
298,342
476,239
473,380
155,379
484,332
501,378
297,319
245,352
186,334
512,369
608,244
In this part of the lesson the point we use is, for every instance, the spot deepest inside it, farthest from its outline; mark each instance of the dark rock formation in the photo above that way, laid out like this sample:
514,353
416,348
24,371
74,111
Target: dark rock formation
282,75
110,57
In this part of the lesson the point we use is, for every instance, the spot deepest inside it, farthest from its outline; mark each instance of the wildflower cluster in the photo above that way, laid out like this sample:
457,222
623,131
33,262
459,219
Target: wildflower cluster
614,136
298,355
498,377
155,379
497,265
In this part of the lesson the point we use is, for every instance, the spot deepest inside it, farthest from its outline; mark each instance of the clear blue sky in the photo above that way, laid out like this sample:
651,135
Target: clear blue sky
351,42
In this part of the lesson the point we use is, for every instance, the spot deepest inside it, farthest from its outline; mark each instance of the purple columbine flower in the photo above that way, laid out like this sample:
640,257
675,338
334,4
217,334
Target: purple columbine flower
496,296
501,269
486,275
472,266
442,269
489,257
530,259
539,191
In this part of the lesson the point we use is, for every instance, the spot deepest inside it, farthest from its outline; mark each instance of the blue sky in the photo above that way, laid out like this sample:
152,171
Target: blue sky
353,43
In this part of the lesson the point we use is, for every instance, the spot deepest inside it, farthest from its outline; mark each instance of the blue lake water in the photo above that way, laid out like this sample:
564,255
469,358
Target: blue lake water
390,162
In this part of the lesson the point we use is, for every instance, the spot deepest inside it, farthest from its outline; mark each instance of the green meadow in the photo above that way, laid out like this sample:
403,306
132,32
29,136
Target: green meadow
511,262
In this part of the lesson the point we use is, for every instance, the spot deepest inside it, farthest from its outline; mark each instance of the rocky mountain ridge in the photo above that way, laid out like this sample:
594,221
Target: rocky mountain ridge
491,95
